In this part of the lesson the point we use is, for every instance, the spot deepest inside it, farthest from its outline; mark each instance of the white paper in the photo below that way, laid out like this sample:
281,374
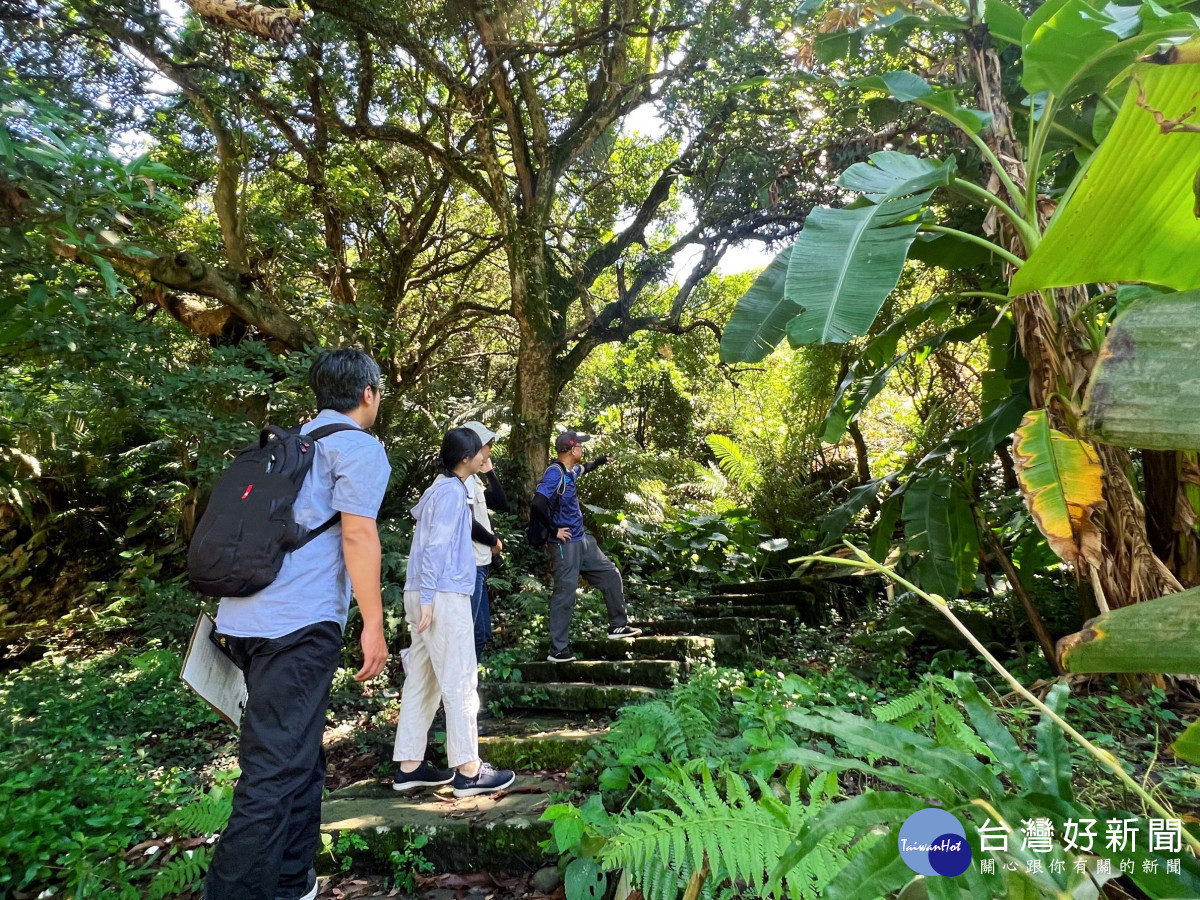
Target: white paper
212,674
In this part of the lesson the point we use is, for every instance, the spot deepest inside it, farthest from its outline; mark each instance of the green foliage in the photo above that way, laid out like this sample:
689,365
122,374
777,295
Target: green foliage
67,817
933,708
734,462
848,260
928,770
691,550
410,862
205,815
185,871
740,837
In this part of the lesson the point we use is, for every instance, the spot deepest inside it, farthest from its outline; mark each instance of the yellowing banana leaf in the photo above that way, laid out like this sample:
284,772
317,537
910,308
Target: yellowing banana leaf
1161,635
1143,391
1132,217
1187,745
1061,480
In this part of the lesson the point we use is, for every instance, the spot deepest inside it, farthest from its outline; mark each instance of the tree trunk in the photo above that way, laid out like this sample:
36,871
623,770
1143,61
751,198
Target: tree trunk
538,379
1056,345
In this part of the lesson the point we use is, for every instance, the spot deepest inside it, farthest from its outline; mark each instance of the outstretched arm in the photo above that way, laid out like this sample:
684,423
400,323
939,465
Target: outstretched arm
594,464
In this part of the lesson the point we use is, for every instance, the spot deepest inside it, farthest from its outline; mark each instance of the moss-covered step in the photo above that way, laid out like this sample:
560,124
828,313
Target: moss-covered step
766,587
649,672
784,611
565,696
682,647
695,626
538,744
794,598
469,835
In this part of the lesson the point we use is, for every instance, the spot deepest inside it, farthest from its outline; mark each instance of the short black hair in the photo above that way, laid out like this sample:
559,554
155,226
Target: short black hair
339,377
457,445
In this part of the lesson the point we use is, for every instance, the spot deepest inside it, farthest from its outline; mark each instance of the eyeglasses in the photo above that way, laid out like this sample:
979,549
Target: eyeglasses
380,390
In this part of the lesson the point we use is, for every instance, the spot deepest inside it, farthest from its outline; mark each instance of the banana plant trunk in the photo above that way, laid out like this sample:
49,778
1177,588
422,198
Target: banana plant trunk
1056,345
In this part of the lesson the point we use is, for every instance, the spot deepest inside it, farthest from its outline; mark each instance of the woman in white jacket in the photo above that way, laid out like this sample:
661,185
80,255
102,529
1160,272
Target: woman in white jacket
441,660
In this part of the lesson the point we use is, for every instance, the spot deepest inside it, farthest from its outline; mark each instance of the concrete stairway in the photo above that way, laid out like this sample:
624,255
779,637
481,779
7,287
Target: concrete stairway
551,717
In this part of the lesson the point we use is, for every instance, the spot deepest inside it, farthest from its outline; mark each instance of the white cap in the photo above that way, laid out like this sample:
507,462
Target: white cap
486,435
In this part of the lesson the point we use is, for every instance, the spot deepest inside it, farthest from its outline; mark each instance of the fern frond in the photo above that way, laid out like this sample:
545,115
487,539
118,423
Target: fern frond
184,872
902,706
743,840
203,816
738,465
953,731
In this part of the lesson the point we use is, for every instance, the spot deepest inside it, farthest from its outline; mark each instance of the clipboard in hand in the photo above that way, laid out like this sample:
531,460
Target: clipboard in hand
210,671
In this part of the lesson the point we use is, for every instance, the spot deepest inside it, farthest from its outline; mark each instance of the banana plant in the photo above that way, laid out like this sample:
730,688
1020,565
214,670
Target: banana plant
1082,87
1038,788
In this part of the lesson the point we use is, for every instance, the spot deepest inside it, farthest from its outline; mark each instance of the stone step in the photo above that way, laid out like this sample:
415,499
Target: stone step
532,744
681,647
774,586
469,835
794,598
564,696
708,626
648,672
784,611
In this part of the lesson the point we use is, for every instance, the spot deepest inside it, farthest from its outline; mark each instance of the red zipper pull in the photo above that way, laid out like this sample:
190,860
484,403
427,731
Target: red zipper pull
248,490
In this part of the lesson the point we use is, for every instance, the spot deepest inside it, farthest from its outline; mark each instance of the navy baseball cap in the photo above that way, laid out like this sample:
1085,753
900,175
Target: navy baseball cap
570,439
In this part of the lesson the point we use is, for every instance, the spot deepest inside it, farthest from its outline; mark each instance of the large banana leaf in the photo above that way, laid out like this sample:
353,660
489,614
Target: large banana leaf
1061,480
1144,388
938,523
910,87
760,319
1132,218
1070,47
846,261
1161,635
829,285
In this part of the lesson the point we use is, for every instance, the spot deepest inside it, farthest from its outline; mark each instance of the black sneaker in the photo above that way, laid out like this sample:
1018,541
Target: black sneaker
560,656
310,888
424,775
621,632
487,780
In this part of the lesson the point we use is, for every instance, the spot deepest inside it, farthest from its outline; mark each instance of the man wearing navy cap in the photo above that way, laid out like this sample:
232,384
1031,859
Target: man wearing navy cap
574,551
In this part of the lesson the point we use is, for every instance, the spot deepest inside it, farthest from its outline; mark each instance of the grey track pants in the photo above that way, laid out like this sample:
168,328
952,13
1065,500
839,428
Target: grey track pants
572,560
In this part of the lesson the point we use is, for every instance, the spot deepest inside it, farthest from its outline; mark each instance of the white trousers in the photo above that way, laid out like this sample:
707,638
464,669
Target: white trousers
441,669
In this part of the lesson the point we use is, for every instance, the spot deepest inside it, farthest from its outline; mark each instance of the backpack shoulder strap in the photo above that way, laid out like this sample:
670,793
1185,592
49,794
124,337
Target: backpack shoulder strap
326,430
316,434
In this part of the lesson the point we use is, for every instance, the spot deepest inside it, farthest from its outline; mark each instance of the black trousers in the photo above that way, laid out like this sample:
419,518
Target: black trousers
271,839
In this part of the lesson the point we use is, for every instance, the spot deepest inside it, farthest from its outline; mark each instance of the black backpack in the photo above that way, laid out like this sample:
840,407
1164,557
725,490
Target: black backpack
248,527
535,532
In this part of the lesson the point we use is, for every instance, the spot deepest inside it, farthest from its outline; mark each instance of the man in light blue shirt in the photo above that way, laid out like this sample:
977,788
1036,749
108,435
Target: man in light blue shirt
287,640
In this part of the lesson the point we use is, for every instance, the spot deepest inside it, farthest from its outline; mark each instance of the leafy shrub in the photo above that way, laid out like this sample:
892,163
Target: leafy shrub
89,772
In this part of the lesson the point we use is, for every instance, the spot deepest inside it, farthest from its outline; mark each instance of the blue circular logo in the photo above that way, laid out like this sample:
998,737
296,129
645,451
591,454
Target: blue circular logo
933,842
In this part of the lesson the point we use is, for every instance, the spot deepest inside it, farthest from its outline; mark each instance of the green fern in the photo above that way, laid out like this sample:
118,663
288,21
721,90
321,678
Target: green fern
683,727
933,708
203,816
738,466
183,872
741,838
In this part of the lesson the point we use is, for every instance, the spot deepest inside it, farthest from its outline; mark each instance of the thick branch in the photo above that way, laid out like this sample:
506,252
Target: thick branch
229,161
265,21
